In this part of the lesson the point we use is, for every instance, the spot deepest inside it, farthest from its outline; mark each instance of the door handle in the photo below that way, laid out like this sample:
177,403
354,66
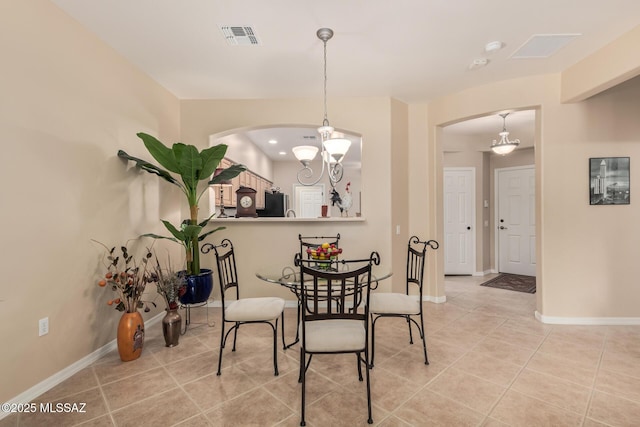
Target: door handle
502,227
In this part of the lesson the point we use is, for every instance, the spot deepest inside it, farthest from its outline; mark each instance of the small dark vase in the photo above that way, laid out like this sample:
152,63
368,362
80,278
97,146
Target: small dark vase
171,325
198,287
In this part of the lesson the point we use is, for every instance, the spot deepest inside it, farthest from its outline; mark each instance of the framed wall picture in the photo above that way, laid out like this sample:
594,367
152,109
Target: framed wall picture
609,181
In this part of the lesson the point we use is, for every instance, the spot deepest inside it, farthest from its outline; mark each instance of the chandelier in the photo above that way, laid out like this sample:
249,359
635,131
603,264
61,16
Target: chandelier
504,146
333,146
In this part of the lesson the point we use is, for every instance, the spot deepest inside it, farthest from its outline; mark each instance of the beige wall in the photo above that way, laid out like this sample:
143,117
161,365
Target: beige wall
583,271
68,104
399,200
268,247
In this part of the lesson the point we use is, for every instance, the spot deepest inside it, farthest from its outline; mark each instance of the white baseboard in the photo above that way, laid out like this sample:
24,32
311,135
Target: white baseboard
484,273
70,370
437,300
593,321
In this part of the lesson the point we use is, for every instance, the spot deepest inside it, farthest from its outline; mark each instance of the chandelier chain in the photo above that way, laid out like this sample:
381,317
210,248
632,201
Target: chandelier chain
325,122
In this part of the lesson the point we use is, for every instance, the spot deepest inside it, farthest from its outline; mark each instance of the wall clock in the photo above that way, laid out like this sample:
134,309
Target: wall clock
246,202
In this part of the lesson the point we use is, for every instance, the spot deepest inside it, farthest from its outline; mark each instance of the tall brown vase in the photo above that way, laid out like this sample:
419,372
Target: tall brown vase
130,336
171,325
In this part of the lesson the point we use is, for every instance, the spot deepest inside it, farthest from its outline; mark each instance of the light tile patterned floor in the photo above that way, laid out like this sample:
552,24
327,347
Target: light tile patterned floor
492,364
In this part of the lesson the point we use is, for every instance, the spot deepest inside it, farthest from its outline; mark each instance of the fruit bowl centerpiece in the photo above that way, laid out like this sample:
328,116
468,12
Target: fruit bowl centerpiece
325,252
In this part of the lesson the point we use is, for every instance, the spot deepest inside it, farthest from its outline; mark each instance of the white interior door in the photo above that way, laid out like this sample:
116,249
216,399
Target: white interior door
309,201
516,221
459,220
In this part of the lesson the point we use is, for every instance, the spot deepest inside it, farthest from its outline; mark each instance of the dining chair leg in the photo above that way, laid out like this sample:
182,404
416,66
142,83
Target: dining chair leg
370,420
373,339
359,360
301,364
275,348
221,349
424,339
302,380
284,345
410,333
235,335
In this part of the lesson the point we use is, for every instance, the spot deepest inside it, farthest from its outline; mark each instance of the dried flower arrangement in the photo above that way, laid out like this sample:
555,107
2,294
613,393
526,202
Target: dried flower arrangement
127,277
170,284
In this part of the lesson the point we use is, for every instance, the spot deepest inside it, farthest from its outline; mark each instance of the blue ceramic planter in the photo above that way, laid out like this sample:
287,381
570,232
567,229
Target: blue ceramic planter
199,287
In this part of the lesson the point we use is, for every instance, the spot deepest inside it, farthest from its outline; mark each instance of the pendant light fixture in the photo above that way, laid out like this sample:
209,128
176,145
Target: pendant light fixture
333,146
504,146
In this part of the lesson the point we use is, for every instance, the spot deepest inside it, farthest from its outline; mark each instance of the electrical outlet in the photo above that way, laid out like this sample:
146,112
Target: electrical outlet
397,229
43,326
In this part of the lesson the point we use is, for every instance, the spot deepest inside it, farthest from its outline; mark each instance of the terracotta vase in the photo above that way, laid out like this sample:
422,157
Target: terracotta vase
130,336
171,325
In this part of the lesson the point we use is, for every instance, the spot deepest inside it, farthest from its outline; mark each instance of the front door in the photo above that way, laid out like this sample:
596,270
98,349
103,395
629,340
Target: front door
516,226
459,220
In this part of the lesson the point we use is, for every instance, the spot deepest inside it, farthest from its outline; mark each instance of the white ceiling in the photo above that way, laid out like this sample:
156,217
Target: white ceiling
411,50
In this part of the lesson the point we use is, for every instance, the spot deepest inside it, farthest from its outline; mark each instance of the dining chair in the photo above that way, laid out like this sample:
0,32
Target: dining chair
409,303
310,242
243,311
335,316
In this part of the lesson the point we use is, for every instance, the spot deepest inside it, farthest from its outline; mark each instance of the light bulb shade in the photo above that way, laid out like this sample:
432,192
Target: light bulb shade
504,146
328,158
305,153
503,149
337,147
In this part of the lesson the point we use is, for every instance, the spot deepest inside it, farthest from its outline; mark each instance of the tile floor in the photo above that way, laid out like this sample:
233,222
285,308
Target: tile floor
492,364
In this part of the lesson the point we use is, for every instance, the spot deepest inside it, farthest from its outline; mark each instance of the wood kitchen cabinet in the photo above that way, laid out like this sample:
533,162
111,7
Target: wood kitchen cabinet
244,179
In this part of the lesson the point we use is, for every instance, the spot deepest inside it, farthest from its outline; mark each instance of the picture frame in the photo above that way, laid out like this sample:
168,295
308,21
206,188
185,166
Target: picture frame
609,181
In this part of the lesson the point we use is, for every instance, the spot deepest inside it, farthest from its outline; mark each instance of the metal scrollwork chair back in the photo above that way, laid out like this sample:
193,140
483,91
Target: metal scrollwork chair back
335,316
407,304
241,311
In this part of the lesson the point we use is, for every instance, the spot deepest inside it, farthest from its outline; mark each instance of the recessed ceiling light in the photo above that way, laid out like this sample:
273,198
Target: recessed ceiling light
283,153
273,141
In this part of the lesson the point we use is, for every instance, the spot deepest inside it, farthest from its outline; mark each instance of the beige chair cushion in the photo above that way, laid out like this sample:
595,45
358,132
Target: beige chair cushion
384,303
254,309
334,335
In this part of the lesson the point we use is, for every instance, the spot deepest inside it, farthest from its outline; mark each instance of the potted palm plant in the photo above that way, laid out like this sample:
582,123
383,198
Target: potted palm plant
194,172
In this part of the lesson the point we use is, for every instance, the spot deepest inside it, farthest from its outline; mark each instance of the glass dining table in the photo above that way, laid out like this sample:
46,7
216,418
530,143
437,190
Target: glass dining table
289,277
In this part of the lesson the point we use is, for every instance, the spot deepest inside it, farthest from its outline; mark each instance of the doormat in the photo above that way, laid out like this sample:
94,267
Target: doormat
513,282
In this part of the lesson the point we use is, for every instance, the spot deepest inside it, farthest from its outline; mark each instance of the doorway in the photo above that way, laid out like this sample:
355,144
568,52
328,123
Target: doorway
308,200
516,220
459,220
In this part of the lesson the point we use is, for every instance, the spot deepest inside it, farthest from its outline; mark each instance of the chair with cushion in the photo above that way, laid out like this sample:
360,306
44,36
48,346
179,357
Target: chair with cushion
310,242
242,311
335,315
409,303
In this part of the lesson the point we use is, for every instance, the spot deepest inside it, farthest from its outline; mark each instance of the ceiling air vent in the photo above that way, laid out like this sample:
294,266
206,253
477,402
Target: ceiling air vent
543,45
239,36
